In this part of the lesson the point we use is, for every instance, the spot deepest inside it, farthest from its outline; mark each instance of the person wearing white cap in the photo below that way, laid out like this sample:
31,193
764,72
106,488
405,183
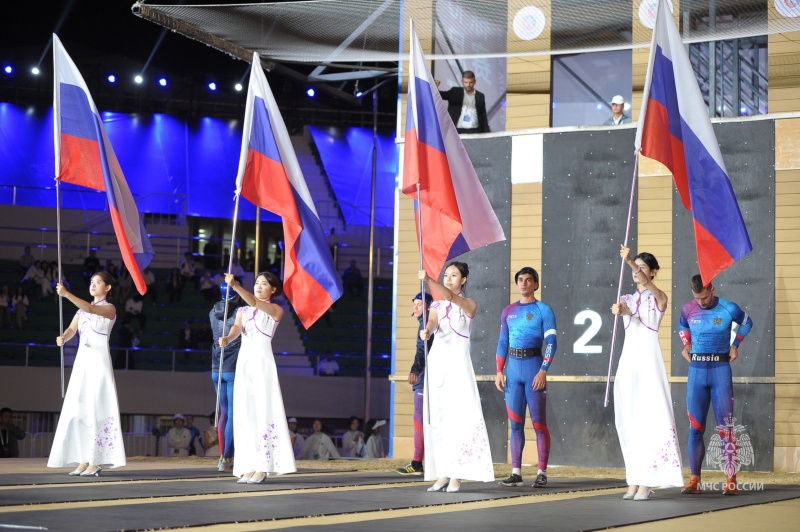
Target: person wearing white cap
617,111
179,437
374,447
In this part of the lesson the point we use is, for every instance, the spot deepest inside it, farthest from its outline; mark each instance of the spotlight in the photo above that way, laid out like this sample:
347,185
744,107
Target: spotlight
212,86
162,82
238,87
8,69
744,110
112,78
311,92
35,71
138,79
356,91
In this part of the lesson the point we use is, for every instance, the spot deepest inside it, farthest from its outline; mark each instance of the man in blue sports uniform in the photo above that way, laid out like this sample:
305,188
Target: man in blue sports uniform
705,330
525,327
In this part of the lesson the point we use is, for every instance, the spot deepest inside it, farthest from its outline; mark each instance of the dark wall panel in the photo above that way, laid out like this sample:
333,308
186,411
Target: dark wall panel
586,193
488,282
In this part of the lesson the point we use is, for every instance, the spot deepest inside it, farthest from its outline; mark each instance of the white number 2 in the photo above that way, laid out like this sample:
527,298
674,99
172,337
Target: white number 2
595,322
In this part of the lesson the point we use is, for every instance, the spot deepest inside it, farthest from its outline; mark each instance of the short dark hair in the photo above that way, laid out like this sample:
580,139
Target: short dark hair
274,281
5,409
697,284
529,271
468,74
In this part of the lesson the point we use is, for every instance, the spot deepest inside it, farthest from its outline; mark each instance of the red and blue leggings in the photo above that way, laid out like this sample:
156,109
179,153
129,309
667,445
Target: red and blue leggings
519,392
710,383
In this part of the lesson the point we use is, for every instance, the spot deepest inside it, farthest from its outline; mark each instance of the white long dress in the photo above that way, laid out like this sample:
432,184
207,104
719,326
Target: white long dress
89,426
260,431
642,400
456,442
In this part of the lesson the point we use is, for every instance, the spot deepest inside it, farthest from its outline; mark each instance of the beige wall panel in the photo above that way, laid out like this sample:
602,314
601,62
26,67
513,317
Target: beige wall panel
787,143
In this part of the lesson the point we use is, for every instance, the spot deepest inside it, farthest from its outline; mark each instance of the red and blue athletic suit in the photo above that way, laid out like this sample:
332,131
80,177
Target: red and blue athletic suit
524,326
710,380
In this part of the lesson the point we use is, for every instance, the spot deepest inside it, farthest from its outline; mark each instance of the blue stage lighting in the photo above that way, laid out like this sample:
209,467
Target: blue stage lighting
8,69
212,86
112,78
162,82
311,92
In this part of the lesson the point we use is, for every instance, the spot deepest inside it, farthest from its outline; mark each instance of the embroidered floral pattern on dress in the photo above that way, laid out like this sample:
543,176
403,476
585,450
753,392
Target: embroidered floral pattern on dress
475,449
107,438
270,446
668,457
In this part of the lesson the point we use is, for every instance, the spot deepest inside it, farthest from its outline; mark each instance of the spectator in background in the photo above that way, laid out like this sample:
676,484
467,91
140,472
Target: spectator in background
236,269
328,366
46,281
353,441
226,257
134,310
125,341
196,437
152,287
618,116
33,279
124,283
333,241
189,271
318,446
5,307
250,262
298,440
204,337
112,270
211,438
466,106
352,280
91,265
186,336
211,254
26,259
10,434
175,286
374,448
209,288
21,303
179,438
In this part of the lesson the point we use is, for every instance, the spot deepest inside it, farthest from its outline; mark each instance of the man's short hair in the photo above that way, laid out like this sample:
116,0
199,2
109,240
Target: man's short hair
468,74
528,270
697,284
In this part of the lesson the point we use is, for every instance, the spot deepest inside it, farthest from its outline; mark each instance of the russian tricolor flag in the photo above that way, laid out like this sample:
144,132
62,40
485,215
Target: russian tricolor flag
456,214
674,129
85,157
270,177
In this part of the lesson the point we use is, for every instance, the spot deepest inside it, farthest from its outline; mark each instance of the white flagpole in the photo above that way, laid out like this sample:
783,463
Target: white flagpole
225,312
60,280
622,273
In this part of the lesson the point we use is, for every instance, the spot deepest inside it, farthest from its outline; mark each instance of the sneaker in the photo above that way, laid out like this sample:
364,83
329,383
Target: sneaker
410,469
513,480
221,465
540,482
731,487
693,487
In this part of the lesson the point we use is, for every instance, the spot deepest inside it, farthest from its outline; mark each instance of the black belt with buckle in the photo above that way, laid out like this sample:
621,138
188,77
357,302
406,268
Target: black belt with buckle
711,357
528,352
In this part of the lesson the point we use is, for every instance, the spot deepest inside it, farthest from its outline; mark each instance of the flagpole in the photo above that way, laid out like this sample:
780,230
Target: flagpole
422,292
225,312
60,280
622,273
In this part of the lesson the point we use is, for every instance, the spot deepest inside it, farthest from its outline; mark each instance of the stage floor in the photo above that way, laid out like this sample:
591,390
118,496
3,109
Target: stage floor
151,496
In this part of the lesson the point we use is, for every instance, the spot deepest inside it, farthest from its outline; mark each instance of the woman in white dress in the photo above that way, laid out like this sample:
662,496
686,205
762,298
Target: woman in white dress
456,442
260,431
89,435
353,441
642,400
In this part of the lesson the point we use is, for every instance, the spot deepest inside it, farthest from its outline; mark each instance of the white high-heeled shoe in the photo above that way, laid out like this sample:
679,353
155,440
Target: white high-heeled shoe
244,479
451,488
80,469
92,471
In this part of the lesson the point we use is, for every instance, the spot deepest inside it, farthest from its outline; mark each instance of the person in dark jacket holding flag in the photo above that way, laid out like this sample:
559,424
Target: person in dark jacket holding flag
225,423
416,378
